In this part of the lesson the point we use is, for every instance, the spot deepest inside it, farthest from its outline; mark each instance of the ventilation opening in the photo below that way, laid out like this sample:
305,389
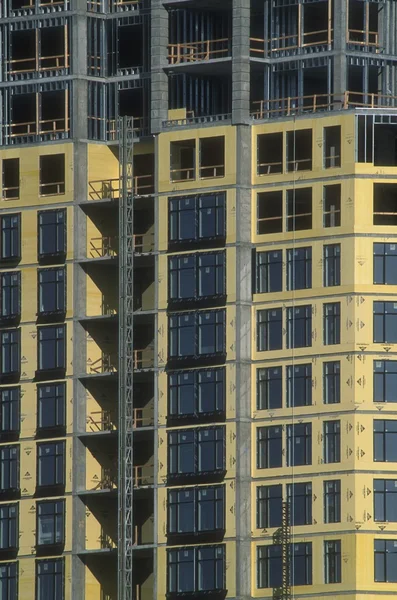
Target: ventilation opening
385,145
130,47
131,104
270,153
299,150
332,147
332,208
10,178
270,212
212,157
299,209
52,112
52,174
23,110
183,158
385,204
52,46
23,51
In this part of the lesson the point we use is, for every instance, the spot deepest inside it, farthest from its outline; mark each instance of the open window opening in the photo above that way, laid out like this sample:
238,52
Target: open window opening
183,160
23,51
10,178
270,212
317,23
385,144
200,95
315,89
130,47
53,53
270,153
53,112
299,209
363,24
144,174
385,204
332,205
19,4
363,92
52,174
212,157
131,104
299,150
23,114
332,147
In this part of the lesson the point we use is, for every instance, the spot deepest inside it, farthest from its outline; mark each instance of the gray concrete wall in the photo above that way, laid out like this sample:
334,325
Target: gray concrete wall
159,60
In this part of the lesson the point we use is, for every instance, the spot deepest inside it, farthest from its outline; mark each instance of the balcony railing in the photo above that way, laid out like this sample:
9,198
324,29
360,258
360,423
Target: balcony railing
143,475
103,247
11,193
143,417
363,37
198,51
102,365
286,43
101,420
105,189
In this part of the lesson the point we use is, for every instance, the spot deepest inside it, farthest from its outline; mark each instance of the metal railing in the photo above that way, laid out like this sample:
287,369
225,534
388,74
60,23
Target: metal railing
46,126
143,475
183,174
212,171
104,189
10,193
52,188
143,359
270,168
198,51
102,365
143,417
104,246
100,420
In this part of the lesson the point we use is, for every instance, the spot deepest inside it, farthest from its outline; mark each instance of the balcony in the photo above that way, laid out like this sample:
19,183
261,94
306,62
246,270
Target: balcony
109,189
103,366
103,247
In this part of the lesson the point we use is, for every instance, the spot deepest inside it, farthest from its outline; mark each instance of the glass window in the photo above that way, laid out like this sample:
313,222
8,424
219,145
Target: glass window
299,444
385,264
385,440
331,269
51,406
269,500
195,276
299,385
192,335
269,388
197,218
51,464
332,205
9,468
52,232
269,271
331,323
331,434
10,399
385,560
10,297
269,447
269,565
196,393
385,500
52,348
299,268
196,510
299,326
10,237
50,523
332,561
10,352
385,380
332,501
198,451
385,322
9,526
331,382
301,571
50,579
270,329
300,502
211,274
9,581
196,569
52,291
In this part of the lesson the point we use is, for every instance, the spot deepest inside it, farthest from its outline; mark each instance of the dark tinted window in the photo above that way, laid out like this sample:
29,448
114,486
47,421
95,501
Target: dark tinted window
332,561
269,392
50,522
9,526
300,502
269,447
10,299
332,323
51,348
299,268
51,464
10,351
9,468
195,276
332,502
197,218
9,581
331,265
50,579
385,322
52,290
196,569
385,264
385,560
331,436
269,271
331,382
197,334
385,500
10,399
269,565
196,451
385,441
196,392
299,385
196,510
52,232
269,500
51,406
299,326
385,380
10,237
270,329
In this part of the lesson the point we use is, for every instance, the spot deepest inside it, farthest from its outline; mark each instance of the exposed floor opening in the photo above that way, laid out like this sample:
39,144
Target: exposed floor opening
332,205
315,20
385,204
23,51
23,114
183,160
385,144
212,157
299,209
270,153
131,105
52,48
53,111
270,212
299,150
10,178
356,87
332,146
130,46
363,24
52,174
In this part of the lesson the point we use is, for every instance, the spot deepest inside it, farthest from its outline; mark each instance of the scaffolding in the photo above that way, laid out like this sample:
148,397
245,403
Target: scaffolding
126,362
282,537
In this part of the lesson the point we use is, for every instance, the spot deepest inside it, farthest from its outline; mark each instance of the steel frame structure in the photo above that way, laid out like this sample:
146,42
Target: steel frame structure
282,537
126,361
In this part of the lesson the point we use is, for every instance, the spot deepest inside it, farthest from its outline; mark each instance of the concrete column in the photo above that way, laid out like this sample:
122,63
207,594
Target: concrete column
241,62
159,60
340,62
243,366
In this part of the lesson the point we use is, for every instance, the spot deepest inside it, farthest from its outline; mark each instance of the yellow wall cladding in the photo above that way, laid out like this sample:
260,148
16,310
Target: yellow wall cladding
27,579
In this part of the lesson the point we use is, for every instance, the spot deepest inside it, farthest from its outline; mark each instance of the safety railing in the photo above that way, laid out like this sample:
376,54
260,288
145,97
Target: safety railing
143,242
52,188
43,63
31,4
363,37
108,480
302,164
45,126
101,247
199,51
143,417
143,359
103,365
100,420
10,193
212,171
143,475
265,47
105,189
331,161
182,174
270,168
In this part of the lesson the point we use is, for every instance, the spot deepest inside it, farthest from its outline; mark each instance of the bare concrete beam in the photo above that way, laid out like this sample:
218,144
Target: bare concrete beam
241,62
159,60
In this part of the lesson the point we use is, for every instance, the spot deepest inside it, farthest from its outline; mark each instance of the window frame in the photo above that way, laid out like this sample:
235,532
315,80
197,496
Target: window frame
58,524
269,329
385,498
10,577
195,561
382,322
331,265
59,287
59,471
331,323
303,322
382,372
218,502
197,384
306,435
296,375
265,456
15,241
60,399
299,259
9,470
300,495
332,561
268,270
10,431
59,350
59,252
12,355
384,547
198,276
12,528
196,322
199,205
265,392
332,391
55,574
332,491
380,261
384,434
197,444
13,303
332,442
267,496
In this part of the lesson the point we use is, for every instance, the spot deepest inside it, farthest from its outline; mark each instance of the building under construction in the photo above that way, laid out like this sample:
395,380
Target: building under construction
198,316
